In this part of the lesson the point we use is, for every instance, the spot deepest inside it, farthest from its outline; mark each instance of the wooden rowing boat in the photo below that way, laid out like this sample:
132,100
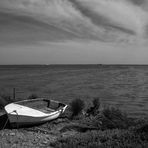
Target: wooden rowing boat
35,111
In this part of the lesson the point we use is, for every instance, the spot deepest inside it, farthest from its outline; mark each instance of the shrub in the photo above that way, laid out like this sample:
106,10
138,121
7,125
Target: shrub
4,100
95,108
109,118
76,107
96,103
33,96
117,130
115,118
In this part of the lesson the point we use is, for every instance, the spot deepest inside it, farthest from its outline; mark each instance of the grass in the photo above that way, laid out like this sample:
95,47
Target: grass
103,139
111,128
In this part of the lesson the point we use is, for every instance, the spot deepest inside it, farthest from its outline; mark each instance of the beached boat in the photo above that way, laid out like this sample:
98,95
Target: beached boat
32,112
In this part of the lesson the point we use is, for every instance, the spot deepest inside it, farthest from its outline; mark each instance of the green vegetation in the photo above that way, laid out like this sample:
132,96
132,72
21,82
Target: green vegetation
95,108
33,96
76,107
110,128
115,118
4,100
116,138
107,127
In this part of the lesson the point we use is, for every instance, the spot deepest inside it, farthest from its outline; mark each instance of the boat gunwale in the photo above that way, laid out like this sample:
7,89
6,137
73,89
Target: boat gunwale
64,106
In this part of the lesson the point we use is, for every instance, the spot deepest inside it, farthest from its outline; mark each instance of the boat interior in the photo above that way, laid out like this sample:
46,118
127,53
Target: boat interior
44,105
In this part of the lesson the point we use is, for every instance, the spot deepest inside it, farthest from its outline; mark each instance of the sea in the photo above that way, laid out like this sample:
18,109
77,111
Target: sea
121,86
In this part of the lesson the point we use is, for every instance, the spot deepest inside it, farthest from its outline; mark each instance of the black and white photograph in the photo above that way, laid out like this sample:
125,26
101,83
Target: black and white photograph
73,73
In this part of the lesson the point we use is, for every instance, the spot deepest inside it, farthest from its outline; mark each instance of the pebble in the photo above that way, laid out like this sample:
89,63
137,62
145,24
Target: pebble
12,134
45,142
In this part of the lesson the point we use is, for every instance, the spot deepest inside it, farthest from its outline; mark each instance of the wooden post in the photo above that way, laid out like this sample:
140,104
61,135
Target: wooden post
14,93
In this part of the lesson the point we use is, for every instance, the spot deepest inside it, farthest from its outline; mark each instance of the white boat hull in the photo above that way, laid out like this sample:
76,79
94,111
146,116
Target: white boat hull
30,119
20,115
20,120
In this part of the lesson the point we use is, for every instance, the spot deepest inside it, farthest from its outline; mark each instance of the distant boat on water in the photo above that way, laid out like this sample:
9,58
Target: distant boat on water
34,111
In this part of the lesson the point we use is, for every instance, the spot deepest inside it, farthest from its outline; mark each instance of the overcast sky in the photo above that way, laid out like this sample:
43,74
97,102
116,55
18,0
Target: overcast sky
73,31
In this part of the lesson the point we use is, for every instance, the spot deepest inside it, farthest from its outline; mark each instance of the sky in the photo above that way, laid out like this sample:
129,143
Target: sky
73,31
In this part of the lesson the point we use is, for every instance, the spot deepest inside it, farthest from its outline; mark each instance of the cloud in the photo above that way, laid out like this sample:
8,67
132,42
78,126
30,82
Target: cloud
105,20
138,2
59,13
16,29
119,13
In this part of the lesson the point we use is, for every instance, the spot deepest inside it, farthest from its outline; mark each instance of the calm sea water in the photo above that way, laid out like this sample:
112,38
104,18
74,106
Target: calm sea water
123,86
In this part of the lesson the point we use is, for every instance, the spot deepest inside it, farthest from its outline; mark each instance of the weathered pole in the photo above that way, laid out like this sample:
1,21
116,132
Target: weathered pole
14,93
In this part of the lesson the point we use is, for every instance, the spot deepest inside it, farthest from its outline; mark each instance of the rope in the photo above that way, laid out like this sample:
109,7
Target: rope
8,120
17,118
5,123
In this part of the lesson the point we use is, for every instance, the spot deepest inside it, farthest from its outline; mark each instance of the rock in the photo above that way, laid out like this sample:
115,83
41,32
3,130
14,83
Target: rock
12,134
45,142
